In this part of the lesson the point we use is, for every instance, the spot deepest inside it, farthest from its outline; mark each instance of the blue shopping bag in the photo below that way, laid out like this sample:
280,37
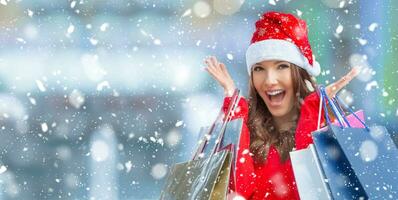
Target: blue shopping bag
358,162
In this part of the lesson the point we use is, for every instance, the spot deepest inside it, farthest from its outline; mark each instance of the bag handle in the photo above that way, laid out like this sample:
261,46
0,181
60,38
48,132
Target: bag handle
352,112
204,138
228,117
331,104
341,111
337,110
339,115
212,127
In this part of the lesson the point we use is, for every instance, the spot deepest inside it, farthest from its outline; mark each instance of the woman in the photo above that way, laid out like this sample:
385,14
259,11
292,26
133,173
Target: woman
282,108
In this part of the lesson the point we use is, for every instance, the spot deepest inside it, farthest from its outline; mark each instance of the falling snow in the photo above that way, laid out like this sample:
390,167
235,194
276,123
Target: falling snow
230,56
128,165
104,27
102,85
368,151
373,26
179,123
339,29
159,170
272,2
93,41
186,13
3,169
99,101
73,4
30,13
44,127
70,30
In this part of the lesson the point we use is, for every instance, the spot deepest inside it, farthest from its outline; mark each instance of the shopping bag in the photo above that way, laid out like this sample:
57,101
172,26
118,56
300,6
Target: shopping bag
230,141
365,159
339,176
374,158
204,177
308,174
310,179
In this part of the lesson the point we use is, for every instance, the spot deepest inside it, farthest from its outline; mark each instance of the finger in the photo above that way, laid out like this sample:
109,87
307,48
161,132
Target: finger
213,68
216,77
210,69
345,79
337,86
355,71
213,71
214,61
217,67
210,72
209,63
224,70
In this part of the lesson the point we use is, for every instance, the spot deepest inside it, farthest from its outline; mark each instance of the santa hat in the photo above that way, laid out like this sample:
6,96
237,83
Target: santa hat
280,36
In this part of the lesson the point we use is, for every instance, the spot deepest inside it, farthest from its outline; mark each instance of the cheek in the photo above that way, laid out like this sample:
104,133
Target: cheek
288,77
256,83
291,98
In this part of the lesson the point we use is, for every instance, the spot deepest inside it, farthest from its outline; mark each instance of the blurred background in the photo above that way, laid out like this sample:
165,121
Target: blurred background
99,98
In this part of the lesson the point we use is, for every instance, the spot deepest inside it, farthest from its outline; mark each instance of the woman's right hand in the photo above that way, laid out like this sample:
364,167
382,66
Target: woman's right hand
220,73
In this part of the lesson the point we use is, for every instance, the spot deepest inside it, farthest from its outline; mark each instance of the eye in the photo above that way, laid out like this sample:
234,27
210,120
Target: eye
283,66
257,68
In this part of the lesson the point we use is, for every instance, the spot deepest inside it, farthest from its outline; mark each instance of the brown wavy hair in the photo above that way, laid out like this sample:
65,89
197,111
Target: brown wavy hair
263,133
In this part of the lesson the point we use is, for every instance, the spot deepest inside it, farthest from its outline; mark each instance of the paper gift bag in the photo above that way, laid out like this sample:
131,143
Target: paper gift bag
374,158
364,159
310,178
201,179
340,178
308,174
204,177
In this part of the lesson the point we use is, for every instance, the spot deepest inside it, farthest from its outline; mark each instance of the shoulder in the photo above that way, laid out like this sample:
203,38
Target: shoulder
313,96
311,100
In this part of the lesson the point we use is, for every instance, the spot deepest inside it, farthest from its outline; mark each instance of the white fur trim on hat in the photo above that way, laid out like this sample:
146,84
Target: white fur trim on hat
274,49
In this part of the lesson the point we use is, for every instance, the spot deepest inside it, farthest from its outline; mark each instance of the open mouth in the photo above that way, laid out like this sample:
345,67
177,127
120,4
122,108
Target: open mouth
276,97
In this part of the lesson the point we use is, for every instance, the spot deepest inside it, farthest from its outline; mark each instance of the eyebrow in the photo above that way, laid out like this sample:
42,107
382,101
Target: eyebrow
275,62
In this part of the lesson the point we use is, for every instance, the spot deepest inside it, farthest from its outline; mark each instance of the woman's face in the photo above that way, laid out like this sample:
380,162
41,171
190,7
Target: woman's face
273,82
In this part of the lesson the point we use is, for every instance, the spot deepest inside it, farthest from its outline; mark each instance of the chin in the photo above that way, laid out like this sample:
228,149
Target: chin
278,113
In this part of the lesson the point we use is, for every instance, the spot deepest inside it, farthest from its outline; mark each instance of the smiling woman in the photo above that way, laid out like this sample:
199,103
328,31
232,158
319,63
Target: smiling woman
275,92
273,81
282,107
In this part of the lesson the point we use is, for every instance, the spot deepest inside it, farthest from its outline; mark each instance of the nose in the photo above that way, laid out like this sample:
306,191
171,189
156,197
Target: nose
270,78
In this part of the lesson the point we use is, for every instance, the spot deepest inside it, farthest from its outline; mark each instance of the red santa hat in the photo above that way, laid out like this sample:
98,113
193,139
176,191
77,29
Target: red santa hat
280,36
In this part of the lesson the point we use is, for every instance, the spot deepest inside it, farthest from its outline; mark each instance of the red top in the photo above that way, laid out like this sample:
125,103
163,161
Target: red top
273,179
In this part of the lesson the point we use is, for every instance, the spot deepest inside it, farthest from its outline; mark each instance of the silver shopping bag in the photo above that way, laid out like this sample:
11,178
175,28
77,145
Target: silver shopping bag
202,179
205,177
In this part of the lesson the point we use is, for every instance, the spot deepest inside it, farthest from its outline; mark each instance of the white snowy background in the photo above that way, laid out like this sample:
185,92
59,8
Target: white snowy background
99,98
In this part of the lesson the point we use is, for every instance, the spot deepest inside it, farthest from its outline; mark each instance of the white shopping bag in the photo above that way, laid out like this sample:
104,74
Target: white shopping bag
310,180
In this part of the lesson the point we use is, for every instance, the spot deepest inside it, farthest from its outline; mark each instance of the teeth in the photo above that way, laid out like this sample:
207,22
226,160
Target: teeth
275,92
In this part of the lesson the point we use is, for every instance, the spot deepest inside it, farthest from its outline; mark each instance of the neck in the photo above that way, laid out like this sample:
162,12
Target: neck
287,121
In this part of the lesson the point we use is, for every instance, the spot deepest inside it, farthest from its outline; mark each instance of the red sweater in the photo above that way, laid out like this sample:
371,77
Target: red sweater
273,179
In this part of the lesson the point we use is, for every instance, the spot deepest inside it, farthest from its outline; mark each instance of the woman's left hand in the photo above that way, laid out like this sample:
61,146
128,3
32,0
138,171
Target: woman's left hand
333,88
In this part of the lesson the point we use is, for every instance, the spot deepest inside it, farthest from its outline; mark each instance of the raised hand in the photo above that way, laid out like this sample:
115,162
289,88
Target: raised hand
333,88
220,73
